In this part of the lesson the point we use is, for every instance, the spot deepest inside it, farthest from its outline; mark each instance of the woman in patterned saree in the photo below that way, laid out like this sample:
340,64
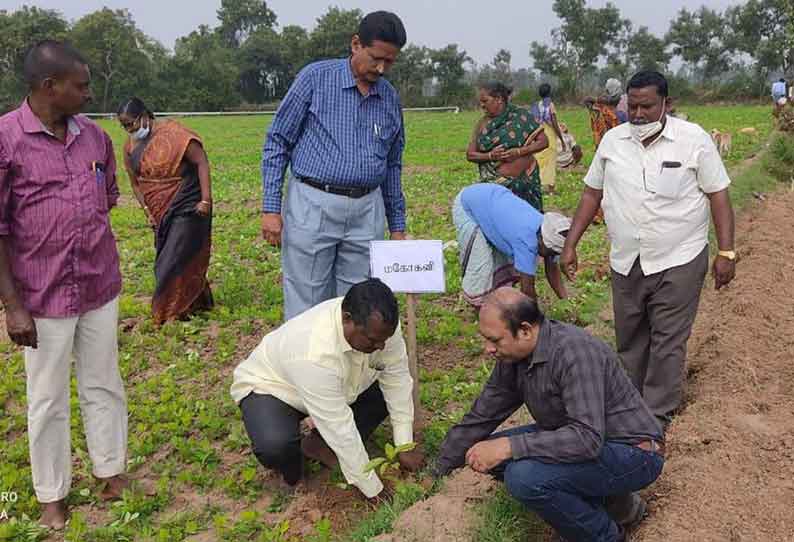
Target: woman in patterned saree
503,144
170,178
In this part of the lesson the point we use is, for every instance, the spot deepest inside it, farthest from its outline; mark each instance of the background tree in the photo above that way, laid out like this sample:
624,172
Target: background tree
448,70
119,54
579,42
203,75
409,73
644,51
699,39
18,32
764,30
240,18
331,37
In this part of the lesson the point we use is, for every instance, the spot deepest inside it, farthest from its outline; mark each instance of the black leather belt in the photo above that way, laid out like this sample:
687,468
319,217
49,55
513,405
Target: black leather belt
354,192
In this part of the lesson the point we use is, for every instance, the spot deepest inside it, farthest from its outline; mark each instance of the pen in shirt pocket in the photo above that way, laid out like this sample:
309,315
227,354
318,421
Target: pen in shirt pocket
98,168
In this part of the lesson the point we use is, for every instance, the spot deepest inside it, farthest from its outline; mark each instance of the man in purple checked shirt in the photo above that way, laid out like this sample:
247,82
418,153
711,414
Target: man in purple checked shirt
59,273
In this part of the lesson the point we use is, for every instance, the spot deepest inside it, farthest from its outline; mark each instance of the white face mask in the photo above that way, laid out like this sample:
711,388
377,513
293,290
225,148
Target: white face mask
641,132
142,132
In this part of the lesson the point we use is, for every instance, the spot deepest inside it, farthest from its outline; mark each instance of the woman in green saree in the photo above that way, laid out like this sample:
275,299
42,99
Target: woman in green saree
503,144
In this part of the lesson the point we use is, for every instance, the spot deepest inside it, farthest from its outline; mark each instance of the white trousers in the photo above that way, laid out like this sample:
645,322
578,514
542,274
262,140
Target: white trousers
93,340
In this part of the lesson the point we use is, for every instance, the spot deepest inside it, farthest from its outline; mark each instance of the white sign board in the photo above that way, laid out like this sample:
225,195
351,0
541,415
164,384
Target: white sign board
412,267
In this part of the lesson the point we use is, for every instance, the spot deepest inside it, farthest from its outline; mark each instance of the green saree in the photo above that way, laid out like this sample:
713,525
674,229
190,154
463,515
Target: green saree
511,128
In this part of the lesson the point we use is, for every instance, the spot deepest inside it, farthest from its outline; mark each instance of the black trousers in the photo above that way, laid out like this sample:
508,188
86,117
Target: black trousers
274,428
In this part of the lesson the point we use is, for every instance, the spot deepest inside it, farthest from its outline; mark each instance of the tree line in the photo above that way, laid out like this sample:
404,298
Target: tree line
247,60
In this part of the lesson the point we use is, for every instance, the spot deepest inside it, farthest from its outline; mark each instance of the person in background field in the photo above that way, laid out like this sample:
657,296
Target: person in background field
340,129
779,94
344,364
593,443
606,111
500,238
546,115
571,154
503,144
658,179
170,177
59,274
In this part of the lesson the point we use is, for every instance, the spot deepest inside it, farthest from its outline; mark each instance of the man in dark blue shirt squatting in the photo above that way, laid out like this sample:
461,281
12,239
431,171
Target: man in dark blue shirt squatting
340,130
594,442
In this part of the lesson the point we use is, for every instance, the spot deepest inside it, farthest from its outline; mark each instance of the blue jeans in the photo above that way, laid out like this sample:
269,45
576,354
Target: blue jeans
571,496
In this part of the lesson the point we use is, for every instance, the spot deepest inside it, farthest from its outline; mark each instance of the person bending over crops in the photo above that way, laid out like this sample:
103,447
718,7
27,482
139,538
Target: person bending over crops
344,364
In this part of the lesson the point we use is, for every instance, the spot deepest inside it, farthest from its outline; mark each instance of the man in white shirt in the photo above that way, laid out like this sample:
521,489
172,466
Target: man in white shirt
657,178
344,364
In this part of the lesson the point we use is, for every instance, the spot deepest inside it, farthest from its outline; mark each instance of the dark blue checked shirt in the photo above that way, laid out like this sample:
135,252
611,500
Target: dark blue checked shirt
326,130
578,393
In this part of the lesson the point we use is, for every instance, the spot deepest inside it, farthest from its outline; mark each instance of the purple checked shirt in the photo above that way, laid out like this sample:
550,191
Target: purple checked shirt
54,203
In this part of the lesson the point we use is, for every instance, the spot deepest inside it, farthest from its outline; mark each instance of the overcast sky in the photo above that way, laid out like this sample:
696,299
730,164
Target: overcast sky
480,27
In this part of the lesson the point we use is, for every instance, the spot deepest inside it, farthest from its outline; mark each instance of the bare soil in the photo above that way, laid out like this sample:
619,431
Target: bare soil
729,474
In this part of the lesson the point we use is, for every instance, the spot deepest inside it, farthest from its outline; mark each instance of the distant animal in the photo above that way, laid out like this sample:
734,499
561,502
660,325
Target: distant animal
722,140
749,131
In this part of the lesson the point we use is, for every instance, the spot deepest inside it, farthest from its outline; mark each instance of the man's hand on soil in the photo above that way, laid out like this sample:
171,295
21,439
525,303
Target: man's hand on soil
411,461
384,497
487,454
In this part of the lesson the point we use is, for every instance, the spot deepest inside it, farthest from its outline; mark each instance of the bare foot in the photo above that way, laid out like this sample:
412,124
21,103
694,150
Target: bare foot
53,515
314,447
113,487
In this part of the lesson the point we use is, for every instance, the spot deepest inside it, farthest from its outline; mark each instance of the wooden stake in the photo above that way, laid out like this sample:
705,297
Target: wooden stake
411,345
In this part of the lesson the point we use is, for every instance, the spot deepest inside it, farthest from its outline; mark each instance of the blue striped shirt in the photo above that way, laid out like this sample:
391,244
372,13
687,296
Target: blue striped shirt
326,130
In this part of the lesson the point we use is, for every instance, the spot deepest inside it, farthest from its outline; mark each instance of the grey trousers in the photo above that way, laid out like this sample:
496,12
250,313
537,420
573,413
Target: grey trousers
653,321
325,244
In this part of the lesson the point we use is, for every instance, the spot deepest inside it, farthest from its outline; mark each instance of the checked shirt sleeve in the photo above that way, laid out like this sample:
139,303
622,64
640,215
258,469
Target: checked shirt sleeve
498,400
393,198
281,138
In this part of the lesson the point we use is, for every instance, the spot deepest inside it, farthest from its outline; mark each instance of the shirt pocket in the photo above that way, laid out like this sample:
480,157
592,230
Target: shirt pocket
98,179
669,182
384,139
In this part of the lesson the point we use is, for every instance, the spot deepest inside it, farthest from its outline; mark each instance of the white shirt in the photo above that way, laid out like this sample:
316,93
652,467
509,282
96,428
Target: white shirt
654,201
308,364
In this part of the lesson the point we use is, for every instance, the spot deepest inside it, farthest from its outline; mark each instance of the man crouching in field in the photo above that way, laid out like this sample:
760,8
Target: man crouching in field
342,362
594,440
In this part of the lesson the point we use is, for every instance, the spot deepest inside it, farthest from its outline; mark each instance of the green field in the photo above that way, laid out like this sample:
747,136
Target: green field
185,432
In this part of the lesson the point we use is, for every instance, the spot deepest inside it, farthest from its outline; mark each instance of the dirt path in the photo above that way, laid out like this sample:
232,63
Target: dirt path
730,469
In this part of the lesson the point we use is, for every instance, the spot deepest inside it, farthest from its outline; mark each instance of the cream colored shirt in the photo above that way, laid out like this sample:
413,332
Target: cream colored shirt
308,364
655,203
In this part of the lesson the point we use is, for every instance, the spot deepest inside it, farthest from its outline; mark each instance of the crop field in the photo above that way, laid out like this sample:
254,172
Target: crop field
189,456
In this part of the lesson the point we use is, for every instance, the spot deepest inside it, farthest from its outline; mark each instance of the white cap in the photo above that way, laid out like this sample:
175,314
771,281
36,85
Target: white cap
613,88
551,230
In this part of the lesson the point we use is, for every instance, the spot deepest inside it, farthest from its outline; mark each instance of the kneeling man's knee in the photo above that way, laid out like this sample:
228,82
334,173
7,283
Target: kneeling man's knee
522,484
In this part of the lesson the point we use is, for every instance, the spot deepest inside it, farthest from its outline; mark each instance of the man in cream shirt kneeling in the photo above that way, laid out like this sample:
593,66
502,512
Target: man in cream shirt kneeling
344,364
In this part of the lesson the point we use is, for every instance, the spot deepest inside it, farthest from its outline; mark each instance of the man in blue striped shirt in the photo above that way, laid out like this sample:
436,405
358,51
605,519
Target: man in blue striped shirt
340,130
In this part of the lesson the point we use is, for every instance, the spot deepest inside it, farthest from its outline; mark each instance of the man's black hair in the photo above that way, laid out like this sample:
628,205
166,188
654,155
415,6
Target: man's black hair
382,26
50,59
369,297
544,90
517,312
649,78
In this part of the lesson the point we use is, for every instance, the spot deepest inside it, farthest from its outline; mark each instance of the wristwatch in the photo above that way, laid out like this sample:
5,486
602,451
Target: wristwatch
730,254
